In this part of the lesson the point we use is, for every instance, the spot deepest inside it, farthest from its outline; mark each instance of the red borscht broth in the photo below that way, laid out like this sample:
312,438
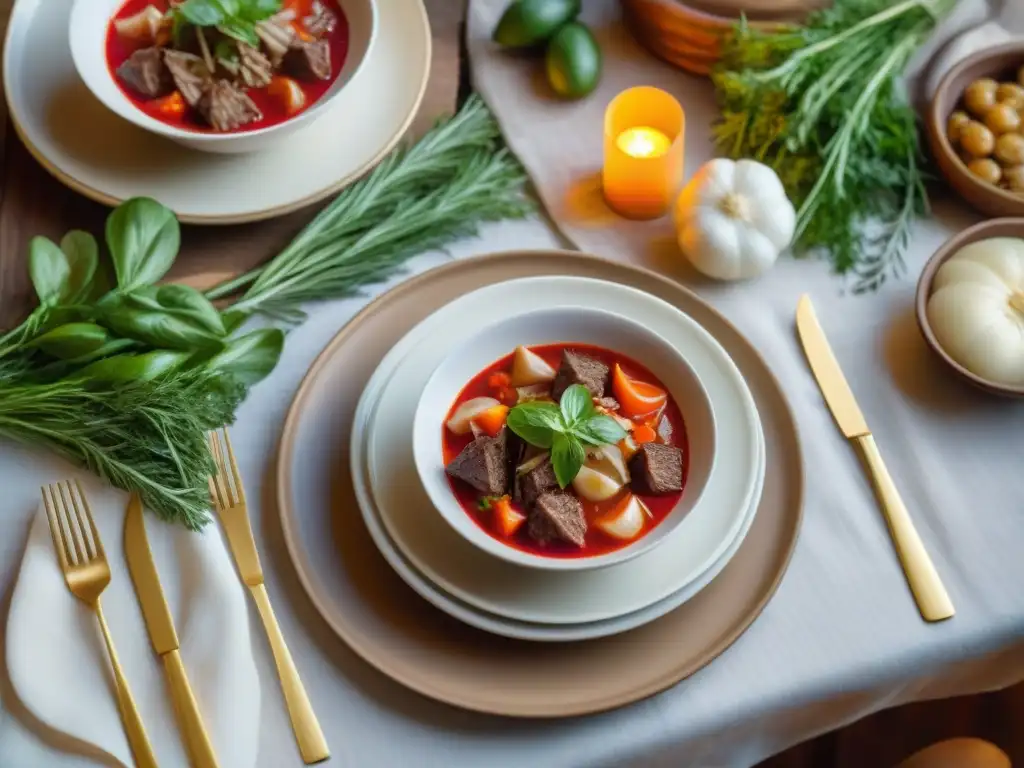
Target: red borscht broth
198,78
509,485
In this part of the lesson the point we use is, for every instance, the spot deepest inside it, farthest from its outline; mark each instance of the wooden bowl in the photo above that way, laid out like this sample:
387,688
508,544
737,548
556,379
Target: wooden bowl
1001,63
983,231
689,35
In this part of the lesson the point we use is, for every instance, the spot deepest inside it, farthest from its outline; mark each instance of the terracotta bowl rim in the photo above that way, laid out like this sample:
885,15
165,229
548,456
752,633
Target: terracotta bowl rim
924,286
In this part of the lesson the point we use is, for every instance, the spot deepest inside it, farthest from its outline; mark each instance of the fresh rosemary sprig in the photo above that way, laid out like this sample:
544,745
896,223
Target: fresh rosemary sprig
418,199
824,105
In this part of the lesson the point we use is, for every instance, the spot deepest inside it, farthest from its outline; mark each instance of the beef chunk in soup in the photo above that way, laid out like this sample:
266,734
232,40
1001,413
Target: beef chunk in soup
656,469
309,60
534,483
483,464
321,22
190,74
226,108
144,72
254,68
558,515
577,368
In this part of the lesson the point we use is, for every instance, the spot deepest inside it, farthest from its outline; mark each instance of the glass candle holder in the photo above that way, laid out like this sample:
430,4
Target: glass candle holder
643,152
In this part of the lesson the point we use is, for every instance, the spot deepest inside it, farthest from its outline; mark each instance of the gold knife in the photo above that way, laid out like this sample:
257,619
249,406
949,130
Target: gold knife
163,637
932,600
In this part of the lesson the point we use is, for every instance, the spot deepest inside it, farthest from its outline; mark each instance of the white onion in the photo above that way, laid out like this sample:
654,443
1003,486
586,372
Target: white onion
459,423
143,26
625,521
595,486
530,368
608,460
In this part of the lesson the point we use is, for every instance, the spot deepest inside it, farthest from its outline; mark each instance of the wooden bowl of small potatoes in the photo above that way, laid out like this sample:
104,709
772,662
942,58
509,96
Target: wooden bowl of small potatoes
992,139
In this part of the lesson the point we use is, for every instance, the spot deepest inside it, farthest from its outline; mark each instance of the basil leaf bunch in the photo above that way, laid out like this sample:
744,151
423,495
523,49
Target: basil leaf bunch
236,19
564,429
136,329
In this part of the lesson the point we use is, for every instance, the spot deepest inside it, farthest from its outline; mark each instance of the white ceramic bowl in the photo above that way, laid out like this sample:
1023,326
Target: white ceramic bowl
87,36
561,325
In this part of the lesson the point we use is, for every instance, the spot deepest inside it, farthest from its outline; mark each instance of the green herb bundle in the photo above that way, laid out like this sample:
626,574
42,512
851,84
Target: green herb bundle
125,376
236,19
824,105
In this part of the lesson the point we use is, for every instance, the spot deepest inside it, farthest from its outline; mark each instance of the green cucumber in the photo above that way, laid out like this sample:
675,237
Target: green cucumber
573,61
528,22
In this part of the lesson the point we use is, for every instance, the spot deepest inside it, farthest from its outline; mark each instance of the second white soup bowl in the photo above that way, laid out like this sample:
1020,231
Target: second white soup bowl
561,325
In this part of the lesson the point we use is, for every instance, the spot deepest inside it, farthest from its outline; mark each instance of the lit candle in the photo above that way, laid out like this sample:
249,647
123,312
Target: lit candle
643,152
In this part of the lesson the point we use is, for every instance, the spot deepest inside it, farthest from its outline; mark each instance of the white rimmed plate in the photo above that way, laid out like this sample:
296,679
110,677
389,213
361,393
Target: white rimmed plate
500,588
103,157
524,630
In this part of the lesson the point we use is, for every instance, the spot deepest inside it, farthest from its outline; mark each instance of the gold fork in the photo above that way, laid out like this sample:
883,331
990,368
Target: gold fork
87,574
228,496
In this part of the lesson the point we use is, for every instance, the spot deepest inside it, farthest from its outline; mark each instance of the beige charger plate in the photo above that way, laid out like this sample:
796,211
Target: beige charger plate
96,153
406,638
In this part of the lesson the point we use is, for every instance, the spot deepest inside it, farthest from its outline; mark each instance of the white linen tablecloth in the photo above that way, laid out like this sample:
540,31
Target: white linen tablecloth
841,638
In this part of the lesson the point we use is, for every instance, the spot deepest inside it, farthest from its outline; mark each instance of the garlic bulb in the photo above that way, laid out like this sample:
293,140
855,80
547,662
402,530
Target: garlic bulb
733,219
976,309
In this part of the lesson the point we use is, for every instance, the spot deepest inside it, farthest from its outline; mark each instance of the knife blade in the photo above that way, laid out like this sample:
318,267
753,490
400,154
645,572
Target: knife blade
160,626
825,367
929,593
155,611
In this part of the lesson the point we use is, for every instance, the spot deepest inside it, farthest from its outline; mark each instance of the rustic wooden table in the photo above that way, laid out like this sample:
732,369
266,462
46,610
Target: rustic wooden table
34,203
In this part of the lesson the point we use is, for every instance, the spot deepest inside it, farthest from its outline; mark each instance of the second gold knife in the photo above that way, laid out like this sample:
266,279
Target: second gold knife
162,635
932,600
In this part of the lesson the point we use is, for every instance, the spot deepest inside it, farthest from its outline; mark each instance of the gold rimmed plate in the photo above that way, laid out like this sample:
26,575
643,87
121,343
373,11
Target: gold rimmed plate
370,607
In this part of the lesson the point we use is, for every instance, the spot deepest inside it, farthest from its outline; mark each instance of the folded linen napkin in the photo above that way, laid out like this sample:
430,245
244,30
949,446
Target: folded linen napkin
58,663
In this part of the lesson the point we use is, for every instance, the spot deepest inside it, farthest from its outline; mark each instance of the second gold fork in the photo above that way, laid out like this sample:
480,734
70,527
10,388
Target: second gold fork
228,496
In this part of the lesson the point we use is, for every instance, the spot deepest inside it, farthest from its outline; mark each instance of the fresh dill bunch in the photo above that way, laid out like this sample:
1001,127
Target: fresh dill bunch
824,105
419,198
147,436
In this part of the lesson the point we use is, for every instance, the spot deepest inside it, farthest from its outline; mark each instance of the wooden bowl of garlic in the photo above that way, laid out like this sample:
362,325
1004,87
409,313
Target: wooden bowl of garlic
970,305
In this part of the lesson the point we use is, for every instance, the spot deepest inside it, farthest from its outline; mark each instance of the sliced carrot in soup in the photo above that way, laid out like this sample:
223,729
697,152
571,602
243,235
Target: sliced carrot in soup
492,420
644,434
506,518
636,398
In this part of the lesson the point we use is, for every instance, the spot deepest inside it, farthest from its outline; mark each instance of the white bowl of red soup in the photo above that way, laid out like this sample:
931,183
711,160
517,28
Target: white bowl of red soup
543,442
220,75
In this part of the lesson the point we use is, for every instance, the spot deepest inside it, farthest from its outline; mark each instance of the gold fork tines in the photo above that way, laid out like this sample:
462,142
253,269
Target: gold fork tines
87,573
228,494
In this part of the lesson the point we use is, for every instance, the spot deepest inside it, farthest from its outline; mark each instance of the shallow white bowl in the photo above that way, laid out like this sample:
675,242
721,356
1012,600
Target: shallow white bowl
87,37
561,325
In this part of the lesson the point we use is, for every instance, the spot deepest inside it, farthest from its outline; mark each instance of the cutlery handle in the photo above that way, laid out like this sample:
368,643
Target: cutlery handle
929,593
197,740
312,744
138,741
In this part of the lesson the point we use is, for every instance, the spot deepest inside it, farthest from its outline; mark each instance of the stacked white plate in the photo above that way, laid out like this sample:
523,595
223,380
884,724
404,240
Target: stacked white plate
528,603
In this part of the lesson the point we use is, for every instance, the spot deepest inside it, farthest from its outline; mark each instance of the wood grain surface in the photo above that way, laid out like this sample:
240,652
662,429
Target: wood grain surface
34,203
